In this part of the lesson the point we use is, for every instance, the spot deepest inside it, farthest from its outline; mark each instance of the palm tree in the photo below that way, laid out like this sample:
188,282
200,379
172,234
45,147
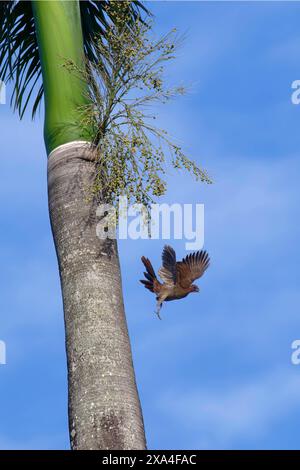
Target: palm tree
35,38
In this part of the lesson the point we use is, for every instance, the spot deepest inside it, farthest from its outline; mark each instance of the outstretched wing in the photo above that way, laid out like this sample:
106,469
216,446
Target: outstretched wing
191,268
168,270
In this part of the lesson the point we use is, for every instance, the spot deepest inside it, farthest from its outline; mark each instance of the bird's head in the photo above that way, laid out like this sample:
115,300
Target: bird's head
194,288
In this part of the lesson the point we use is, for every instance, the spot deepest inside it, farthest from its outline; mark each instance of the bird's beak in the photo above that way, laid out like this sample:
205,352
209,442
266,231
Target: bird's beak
197,289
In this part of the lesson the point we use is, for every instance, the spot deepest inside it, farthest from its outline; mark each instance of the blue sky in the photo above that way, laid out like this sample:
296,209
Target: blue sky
216,372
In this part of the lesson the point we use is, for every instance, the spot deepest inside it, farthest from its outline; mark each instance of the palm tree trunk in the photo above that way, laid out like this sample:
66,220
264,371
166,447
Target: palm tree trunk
104,409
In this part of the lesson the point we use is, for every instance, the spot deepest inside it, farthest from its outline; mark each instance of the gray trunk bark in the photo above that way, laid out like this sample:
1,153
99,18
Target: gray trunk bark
104,407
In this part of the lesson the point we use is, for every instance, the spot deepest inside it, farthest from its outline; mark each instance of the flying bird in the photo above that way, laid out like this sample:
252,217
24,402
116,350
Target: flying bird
177,276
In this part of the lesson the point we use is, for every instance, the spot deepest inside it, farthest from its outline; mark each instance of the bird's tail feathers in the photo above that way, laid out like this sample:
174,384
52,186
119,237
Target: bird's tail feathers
151,281
150,271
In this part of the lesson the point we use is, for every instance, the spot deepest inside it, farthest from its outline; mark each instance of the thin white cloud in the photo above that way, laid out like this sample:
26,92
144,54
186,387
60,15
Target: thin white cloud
219,417
285,52
51,442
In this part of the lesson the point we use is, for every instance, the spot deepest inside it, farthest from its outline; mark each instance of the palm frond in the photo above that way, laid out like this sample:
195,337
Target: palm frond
19,55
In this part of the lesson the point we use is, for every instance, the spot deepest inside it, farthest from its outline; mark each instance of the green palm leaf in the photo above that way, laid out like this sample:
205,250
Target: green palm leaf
19,55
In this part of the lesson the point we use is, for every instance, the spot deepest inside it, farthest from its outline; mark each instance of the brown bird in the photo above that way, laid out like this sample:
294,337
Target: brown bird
177,276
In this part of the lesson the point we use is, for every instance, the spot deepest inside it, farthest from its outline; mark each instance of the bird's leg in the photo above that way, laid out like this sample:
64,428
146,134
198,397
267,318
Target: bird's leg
158,307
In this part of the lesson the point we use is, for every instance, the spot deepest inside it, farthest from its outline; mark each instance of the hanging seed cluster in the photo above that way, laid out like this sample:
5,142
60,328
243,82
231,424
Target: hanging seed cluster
132,154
